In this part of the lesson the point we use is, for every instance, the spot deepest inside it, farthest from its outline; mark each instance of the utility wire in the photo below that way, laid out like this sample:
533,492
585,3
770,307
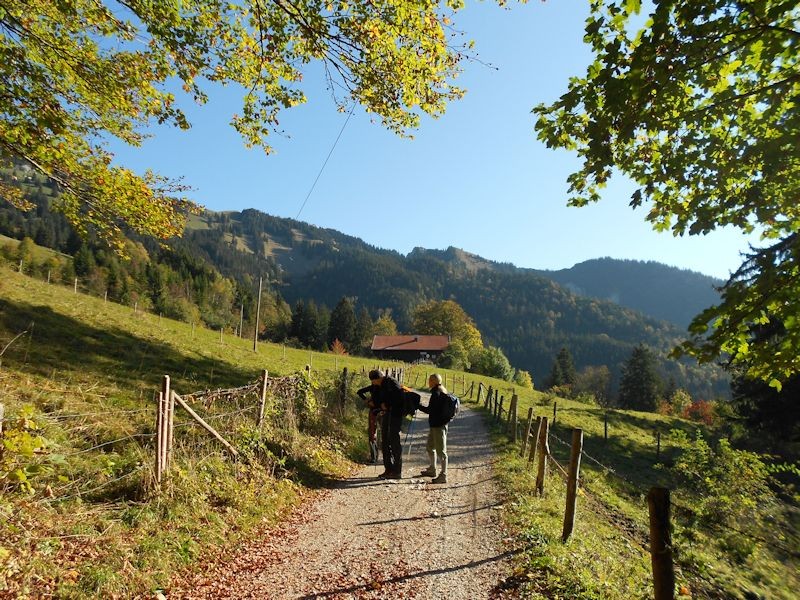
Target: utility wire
313,185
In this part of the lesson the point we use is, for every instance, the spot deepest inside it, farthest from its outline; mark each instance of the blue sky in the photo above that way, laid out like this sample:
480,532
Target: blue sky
476,178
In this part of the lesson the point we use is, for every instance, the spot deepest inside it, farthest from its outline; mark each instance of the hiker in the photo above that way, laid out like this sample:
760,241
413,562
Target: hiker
374,417
438,417
390,400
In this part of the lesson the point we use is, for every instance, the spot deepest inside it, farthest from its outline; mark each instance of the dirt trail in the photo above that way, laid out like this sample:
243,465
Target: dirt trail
369,538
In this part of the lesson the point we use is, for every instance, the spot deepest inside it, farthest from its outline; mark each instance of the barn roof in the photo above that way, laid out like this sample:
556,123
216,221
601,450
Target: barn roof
422,343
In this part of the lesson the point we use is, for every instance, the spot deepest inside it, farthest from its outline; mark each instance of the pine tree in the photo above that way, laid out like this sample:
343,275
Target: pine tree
363,331
640,386
556,376
567,367
343,323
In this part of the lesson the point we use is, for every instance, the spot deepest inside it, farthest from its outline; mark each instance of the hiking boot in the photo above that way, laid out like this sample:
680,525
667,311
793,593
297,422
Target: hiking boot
384,475
394,475
442,478
428,473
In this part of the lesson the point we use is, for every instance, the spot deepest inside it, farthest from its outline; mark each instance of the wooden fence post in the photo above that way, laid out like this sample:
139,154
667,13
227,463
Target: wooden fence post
572,483
159,436
2,416
262,400
524,446
658,505
499,417
343,390
658,446
76,285
555,411
535,441
605,426
488,399
205,425
258,310
170,430
543,451
512,417
165,389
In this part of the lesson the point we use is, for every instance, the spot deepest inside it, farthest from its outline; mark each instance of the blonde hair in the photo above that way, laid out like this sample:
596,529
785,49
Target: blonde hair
438,379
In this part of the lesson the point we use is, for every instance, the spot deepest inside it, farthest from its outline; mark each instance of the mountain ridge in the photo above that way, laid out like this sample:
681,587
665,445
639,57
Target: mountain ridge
527,312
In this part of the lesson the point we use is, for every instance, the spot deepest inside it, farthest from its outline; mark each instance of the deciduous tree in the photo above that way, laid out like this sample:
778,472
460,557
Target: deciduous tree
446,317
698,106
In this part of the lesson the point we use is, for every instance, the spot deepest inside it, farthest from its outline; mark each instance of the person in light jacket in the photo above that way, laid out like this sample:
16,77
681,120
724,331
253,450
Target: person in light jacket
438,418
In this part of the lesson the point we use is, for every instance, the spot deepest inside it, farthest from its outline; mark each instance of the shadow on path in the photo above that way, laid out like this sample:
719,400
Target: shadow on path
426,517
411,576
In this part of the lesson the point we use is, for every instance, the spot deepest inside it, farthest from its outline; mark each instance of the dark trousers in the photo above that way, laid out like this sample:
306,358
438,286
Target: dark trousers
392,450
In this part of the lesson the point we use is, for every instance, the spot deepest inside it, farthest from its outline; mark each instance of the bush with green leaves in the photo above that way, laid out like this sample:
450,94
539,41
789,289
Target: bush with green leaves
727,490
23,452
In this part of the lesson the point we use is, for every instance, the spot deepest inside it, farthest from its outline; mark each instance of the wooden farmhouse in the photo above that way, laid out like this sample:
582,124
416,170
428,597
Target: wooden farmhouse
409,348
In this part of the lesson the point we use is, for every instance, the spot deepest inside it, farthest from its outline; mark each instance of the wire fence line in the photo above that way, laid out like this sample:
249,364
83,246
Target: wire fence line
646,535
109,443
96,488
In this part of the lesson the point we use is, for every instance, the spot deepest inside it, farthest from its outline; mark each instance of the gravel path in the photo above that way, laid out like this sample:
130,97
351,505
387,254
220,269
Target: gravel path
369,538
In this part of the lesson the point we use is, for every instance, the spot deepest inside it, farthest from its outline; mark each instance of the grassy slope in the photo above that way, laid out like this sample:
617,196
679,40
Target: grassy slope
92,359
86,354
607,556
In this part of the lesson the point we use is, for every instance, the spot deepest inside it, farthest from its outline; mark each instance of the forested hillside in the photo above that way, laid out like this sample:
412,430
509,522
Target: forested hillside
211,275
667,293
529,316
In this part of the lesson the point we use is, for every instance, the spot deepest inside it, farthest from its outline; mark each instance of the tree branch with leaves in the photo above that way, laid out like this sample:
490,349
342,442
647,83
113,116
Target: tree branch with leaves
699,107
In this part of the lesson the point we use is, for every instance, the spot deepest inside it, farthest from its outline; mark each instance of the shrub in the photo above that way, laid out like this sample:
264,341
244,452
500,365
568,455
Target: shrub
727,487
701,411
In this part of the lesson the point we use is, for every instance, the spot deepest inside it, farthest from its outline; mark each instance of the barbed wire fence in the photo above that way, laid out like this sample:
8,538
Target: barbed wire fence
534,435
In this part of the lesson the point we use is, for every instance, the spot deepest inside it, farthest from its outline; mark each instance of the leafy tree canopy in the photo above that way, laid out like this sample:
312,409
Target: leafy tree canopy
446,317
492,362
700,108
76,72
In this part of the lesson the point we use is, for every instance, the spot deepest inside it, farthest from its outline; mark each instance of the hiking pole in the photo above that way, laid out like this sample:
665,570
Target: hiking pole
410,428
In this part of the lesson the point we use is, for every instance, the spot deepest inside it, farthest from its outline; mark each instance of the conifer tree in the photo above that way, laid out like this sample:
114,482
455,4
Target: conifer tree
343,324
640,386
567,367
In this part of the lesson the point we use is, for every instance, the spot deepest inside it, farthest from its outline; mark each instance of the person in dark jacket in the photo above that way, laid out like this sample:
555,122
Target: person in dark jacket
374,417
390,400
438,418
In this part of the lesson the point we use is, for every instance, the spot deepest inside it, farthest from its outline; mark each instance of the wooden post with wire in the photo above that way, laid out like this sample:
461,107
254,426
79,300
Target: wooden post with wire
605,426
524,446
658,446
164,426
658,505
205,425
572,483
159,437
499,416
170,406
262,399
512,417
555,411
535,442
343,387
2,416
543,450
258,310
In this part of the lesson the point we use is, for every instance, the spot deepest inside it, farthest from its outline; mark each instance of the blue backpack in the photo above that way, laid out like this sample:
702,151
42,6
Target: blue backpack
452,406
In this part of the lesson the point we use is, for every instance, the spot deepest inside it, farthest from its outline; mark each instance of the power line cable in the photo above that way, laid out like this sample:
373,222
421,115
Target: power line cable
313,185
